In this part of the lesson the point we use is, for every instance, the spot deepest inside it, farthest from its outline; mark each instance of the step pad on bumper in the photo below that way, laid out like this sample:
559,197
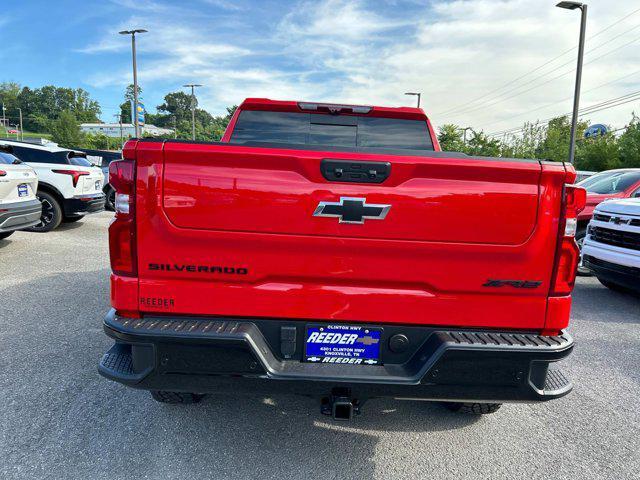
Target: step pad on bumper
555,382
117,361
508,339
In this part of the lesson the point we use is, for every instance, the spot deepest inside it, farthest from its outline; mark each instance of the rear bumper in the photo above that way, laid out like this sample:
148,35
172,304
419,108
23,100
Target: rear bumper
625,276
83,204
18,215
244,357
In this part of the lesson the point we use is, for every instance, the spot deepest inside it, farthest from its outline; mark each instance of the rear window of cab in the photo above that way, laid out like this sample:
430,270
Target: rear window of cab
331,130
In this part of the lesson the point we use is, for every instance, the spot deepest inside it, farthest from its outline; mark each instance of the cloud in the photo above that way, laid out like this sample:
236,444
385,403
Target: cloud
371,52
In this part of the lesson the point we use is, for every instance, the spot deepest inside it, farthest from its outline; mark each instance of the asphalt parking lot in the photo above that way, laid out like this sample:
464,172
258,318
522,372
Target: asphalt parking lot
60,419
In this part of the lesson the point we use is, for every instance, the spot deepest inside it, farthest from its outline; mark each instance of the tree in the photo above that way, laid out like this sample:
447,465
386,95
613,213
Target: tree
629,144
176,104
175,112
481,144
597,153
555,145
65,130
450,138
525,144
125,107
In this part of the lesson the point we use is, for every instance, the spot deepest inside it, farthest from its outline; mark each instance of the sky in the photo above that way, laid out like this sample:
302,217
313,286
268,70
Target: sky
487,64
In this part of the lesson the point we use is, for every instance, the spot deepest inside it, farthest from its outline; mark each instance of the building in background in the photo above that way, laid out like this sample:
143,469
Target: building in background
128,130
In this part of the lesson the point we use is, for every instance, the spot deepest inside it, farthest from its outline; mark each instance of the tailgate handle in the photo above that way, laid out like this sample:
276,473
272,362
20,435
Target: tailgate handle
355,172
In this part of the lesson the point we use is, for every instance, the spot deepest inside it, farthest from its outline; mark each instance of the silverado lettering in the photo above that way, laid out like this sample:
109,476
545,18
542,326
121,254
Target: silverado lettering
166,267
339,305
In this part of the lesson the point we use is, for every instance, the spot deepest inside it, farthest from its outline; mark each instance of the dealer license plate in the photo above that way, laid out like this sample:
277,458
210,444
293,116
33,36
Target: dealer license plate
23,190
343,344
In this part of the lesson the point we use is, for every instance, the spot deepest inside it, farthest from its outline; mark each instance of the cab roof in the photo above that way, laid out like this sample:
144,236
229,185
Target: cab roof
333,108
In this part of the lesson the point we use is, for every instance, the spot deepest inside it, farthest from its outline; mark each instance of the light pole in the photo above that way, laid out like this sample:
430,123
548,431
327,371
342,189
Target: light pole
464,135
193,107
4,121
417,94
21,131
135,75
576,94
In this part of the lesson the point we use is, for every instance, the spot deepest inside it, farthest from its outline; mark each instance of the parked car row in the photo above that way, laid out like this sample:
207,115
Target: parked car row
607,185
42,186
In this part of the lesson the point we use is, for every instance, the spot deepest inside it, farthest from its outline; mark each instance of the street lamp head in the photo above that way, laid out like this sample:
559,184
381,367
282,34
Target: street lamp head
570,5
412,93
133,32
192,85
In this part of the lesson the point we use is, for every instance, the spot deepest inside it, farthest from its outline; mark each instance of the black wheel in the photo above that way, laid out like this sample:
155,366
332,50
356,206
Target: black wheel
4,235
176,397
614,286
51,213
110,201
72,218
473,408
580,236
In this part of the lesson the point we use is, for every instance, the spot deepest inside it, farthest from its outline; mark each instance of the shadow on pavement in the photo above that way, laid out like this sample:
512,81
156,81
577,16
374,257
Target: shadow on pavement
65,226
590,295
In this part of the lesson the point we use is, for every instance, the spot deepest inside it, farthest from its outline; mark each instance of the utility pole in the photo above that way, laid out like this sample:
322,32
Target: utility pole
135,75
4,121
576,94
416,94
193,107
21,131
175,127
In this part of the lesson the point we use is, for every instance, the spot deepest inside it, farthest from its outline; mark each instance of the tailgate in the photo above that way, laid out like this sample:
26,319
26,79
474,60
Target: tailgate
247,190
230,230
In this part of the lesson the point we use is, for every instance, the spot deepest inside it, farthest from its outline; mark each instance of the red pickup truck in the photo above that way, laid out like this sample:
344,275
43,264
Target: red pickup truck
335,251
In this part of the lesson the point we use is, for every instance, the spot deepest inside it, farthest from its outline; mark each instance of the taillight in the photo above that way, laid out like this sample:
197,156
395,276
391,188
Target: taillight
122,231
567,253
75,175
2,173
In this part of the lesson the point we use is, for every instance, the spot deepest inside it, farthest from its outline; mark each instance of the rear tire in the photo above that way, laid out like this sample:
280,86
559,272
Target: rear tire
473,408
110,200
176,398
72,218
4,235
51,213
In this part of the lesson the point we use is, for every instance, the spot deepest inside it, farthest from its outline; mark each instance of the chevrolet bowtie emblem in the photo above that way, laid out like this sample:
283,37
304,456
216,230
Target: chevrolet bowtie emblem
352,210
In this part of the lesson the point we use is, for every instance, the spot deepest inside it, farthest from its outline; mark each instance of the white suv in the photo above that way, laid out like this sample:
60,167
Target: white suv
19,207
69,187
611,249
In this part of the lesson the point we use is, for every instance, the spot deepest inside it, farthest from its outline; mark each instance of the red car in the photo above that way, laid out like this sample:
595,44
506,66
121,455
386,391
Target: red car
619,183
335,251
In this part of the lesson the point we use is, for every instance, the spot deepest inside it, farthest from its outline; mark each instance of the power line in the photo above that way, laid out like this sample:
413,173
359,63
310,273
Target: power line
563,100
614,102
455,109
500,100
